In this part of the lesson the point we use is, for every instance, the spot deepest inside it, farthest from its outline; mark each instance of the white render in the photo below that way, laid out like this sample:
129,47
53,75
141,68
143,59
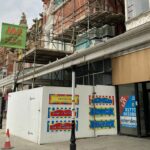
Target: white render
137,21
137,13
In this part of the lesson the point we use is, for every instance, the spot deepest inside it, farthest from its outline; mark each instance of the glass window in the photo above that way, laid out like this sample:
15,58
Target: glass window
58,2
98,79
148,85
142,109
107,79
96,67
127,106
107,65
86,80
82,70
91,79
79,80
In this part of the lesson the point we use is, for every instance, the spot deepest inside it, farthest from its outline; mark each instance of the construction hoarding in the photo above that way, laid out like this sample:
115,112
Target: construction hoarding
43,115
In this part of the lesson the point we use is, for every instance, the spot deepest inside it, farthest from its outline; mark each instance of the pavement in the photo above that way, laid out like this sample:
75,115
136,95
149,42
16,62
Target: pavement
98,143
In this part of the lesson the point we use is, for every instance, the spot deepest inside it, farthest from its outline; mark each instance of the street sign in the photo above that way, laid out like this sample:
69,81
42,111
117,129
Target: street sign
13,36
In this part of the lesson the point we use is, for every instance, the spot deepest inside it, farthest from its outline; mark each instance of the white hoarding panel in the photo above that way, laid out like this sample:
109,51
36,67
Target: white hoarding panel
84,92
103,111
56,114
23,115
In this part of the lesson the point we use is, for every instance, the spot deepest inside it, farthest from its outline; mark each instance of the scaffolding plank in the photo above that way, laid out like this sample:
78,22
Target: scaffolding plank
96,20
43,55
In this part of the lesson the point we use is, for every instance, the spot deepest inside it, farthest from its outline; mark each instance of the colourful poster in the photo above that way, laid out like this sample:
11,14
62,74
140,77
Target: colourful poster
102,124
13,36
102,112
128,117
62,125
60,113
62,99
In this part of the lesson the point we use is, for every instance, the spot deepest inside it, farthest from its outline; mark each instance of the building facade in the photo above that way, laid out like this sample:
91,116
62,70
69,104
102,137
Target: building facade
127,69
110,45
130,74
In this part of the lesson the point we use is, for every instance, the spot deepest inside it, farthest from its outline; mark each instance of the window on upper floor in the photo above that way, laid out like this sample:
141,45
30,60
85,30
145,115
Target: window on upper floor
58,2
136,7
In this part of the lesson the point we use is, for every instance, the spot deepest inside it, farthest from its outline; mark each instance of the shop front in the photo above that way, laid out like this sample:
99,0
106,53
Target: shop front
134,109
131,75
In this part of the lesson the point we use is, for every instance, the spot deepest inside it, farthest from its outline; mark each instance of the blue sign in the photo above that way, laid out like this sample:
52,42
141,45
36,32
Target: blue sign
128,117
102,124
102,100
101,111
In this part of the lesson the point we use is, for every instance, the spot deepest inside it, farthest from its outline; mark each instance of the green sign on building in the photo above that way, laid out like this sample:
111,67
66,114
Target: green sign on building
13,36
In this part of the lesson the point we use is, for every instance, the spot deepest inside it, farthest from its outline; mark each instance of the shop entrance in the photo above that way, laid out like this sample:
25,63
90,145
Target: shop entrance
134,109
146,106
148,114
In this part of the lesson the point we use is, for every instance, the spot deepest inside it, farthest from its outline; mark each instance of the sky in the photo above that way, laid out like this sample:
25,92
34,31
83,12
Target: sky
11,10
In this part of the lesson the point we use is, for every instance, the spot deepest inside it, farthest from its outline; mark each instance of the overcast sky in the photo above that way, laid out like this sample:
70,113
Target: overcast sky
11,10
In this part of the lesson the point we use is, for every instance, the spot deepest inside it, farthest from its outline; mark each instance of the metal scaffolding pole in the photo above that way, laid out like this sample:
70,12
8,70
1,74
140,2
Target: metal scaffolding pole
73,138
1,113
35,40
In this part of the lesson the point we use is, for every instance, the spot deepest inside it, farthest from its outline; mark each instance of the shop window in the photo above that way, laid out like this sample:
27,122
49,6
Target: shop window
141,109
127,109
148,85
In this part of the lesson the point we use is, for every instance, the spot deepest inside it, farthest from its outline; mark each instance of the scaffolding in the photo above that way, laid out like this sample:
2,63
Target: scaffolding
36,55
73,17
71,25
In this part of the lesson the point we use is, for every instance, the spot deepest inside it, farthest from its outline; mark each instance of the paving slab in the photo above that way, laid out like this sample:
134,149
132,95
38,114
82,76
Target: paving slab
98,143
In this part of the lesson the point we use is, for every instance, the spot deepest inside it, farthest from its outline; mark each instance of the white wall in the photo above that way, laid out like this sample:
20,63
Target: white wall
134,8
84,92
23,115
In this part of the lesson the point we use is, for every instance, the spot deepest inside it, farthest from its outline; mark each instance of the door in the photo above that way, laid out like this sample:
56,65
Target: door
33,119
148,113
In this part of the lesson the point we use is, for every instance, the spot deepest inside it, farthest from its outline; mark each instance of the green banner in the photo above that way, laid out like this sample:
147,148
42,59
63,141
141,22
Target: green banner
13,36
